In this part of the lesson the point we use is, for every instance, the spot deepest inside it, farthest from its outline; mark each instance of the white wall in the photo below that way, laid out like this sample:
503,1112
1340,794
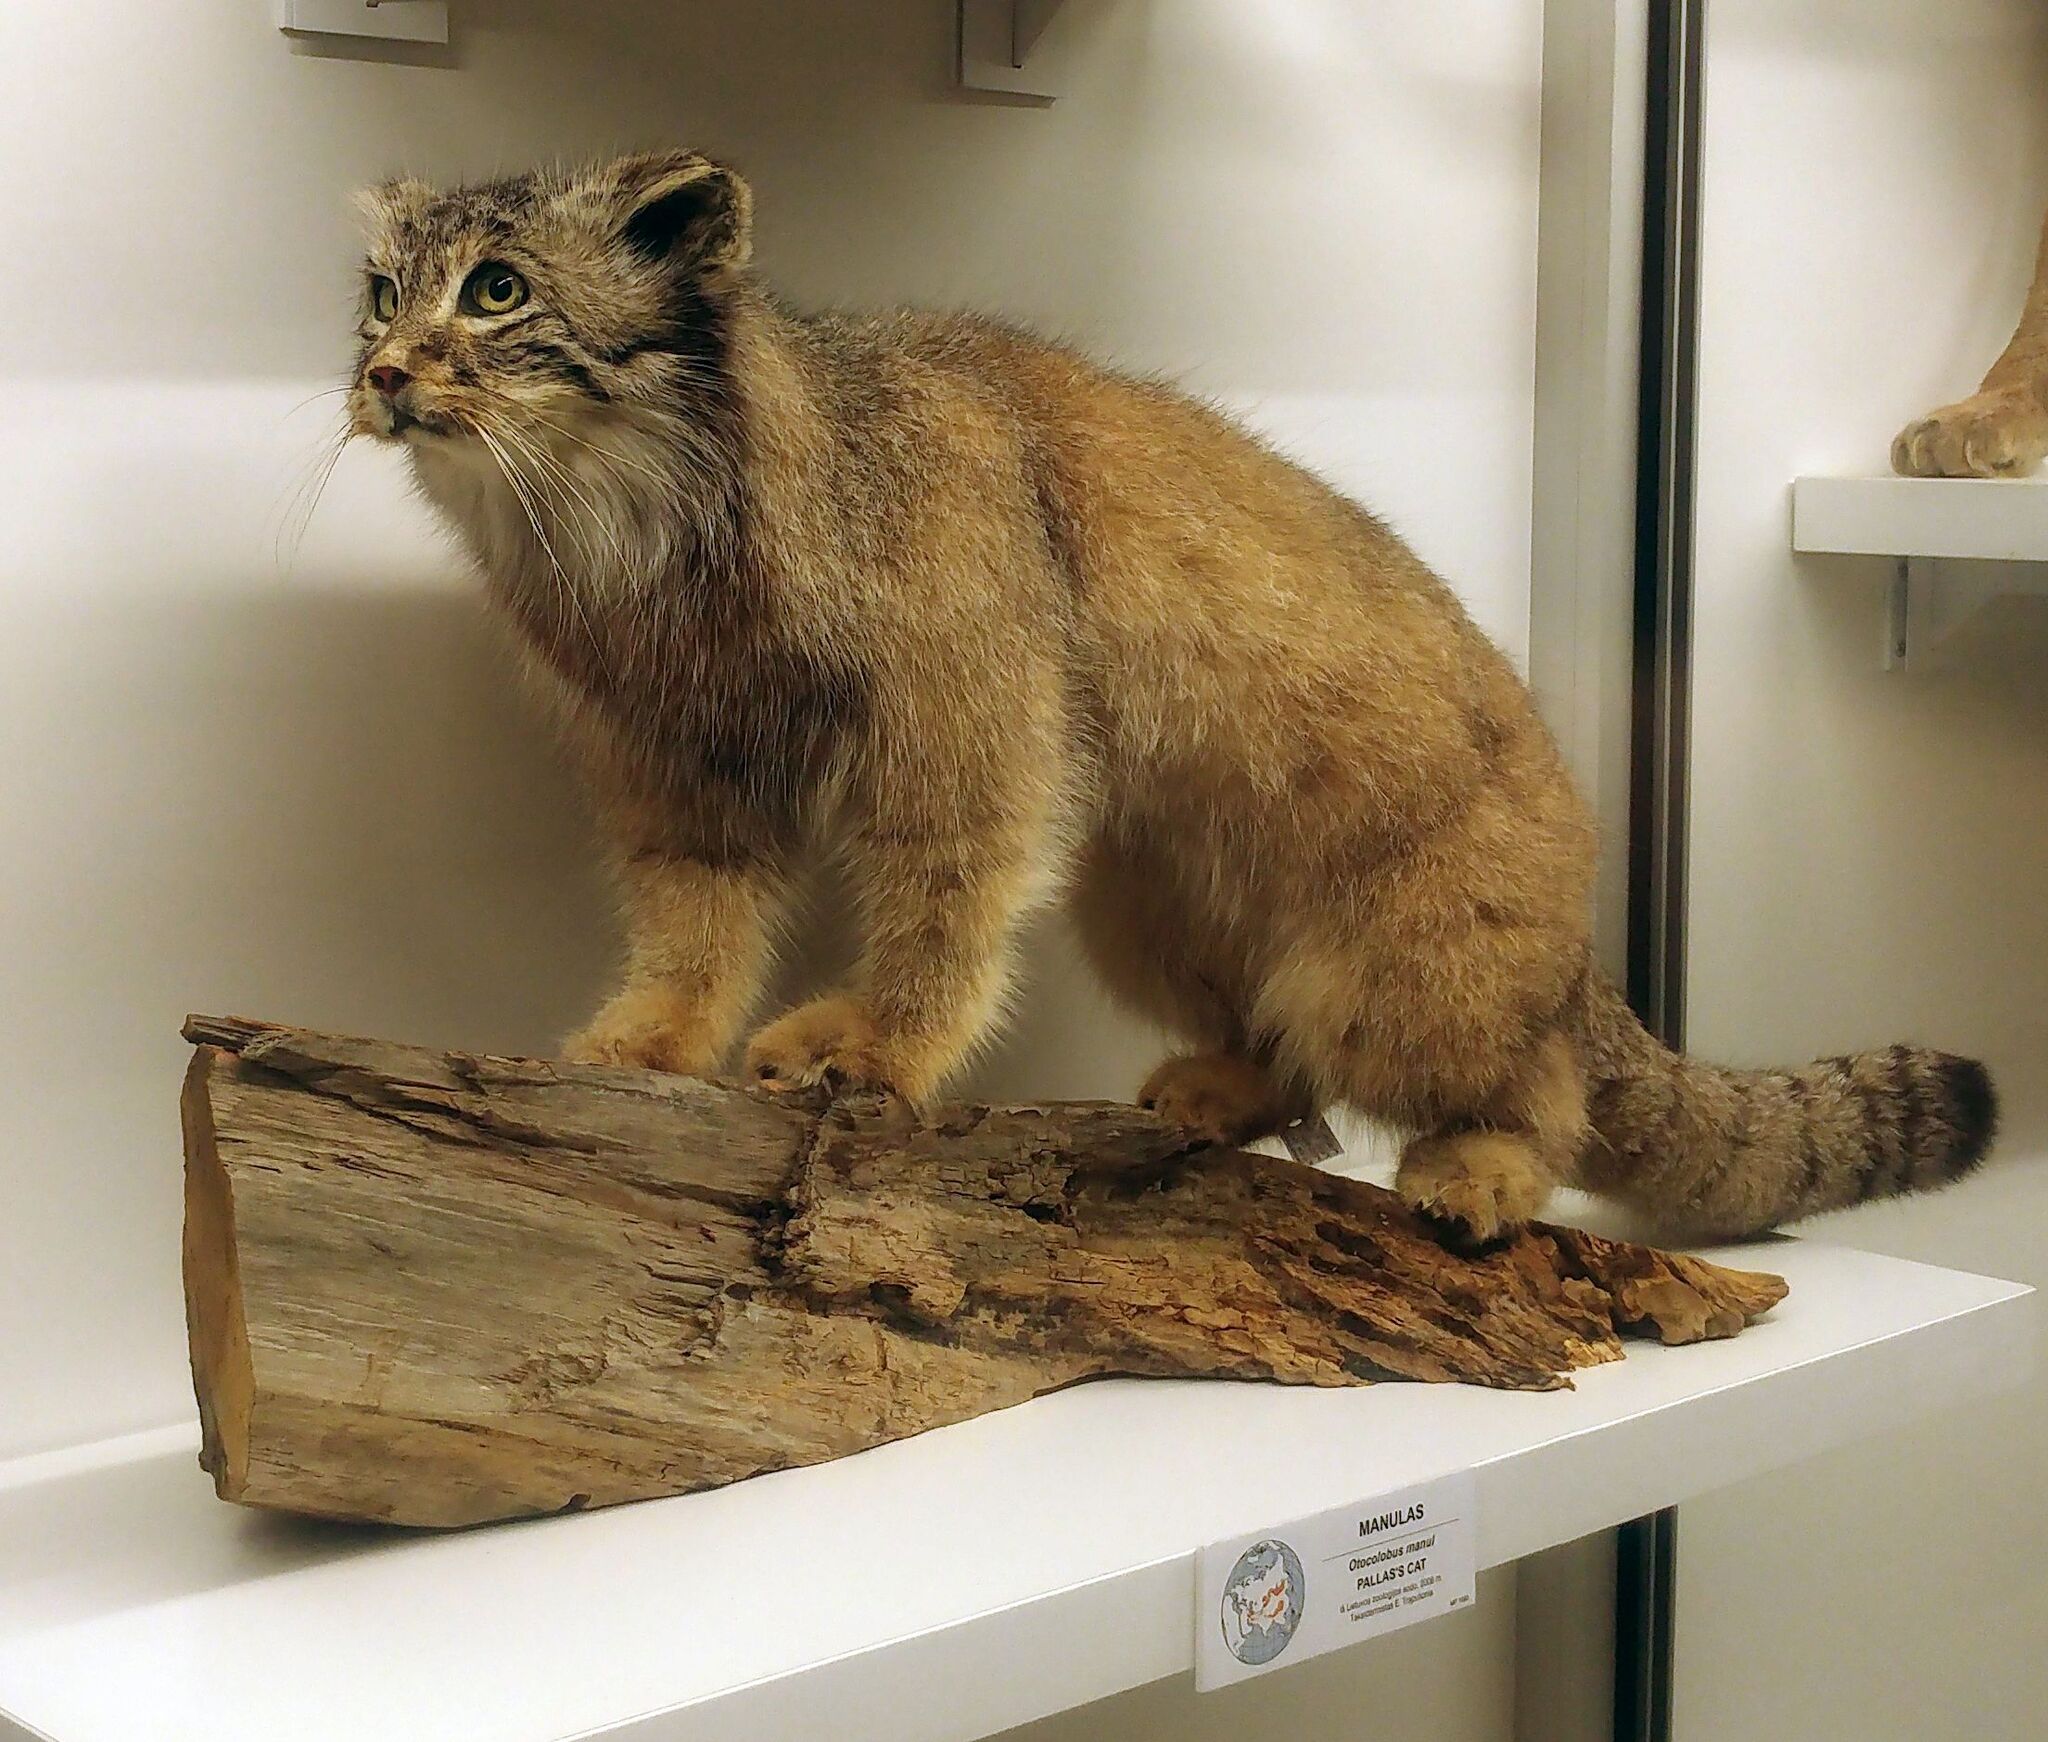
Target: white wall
306,788
1867,849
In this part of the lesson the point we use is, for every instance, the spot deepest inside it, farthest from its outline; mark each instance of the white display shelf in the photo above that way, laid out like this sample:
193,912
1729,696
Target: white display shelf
941,1588
1957,543
1985,520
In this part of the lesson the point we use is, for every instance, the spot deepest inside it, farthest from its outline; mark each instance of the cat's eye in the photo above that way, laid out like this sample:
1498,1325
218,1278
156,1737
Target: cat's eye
383,297
494,289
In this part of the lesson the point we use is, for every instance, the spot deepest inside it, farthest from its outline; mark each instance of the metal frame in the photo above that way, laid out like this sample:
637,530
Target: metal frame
1646,1550
1660,736
1645,1616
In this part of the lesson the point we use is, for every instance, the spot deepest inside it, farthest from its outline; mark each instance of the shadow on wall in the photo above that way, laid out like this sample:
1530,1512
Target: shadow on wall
370,828
318,803
321,804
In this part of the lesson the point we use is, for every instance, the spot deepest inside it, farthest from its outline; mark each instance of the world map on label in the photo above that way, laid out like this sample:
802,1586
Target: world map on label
1262,1601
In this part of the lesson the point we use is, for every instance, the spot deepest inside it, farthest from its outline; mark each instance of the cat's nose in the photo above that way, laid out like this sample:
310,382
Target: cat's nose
388,380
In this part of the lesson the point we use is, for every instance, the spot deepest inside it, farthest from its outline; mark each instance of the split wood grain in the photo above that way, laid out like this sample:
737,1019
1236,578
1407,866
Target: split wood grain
432,1288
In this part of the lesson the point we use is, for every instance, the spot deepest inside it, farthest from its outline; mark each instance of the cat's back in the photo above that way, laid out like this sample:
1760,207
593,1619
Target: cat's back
1138,458
1206,563
1232,619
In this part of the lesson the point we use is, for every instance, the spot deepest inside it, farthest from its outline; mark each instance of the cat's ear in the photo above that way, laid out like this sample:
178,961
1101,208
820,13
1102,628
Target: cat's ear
682,210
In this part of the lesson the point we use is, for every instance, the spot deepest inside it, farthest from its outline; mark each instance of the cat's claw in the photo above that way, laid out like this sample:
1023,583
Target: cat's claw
646,1027
833,1041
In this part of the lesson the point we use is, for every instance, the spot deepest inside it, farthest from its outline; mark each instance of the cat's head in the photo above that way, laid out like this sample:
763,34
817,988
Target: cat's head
494,311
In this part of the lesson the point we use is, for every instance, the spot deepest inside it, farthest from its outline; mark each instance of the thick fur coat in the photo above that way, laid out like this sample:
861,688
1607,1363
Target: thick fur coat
995,625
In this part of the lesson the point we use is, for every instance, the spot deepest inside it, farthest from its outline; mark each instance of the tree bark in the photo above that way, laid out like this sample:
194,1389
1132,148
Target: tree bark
434,1288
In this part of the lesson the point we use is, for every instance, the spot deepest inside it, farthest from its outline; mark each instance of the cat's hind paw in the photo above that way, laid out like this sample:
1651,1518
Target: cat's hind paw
1483,1184
1219,1097
1999,434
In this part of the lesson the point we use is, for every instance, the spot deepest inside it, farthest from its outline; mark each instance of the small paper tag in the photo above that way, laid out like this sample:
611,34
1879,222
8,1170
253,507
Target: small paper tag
1294,1592
1311,1141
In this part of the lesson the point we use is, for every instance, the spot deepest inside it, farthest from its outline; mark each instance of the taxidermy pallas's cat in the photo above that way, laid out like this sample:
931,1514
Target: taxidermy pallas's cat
993,624
2001,430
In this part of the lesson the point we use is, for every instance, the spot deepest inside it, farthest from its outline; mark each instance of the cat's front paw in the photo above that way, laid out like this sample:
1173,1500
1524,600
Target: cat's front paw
833,1041
1999,434
649,1027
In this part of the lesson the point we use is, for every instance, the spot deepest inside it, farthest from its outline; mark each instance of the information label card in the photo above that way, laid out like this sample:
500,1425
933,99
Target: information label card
1296,1591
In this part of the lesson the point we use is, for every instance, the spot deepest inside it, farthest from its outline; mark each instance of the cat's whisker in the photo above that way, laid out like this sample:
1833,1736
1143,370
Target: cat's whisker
537,486
302,501
593,521
324,393
516,479
564,586
310,462
610,467
564,589
610,455
546,465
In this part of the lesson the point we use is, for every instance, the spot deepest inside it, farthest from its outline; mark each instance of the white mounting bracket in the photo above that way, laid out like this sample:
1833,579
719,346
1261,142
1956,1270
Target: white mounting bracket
993,40
1929,598
1953,545
393,20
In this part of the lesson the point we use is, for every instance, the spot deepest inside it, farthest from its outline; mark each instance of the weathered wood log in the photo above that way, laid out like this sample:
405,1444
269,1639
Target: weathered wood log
432,1289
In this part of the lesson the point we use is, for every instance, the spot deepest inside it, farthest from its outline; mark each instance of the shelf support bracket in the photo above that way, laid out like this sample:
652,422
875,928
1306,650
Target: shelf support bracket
1898,609
1927,599
393,20
994,38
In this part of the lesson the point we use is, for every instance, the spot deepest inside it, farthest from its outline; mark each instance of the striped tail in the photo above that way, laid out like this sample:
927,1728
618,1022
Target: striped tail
1713,1153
